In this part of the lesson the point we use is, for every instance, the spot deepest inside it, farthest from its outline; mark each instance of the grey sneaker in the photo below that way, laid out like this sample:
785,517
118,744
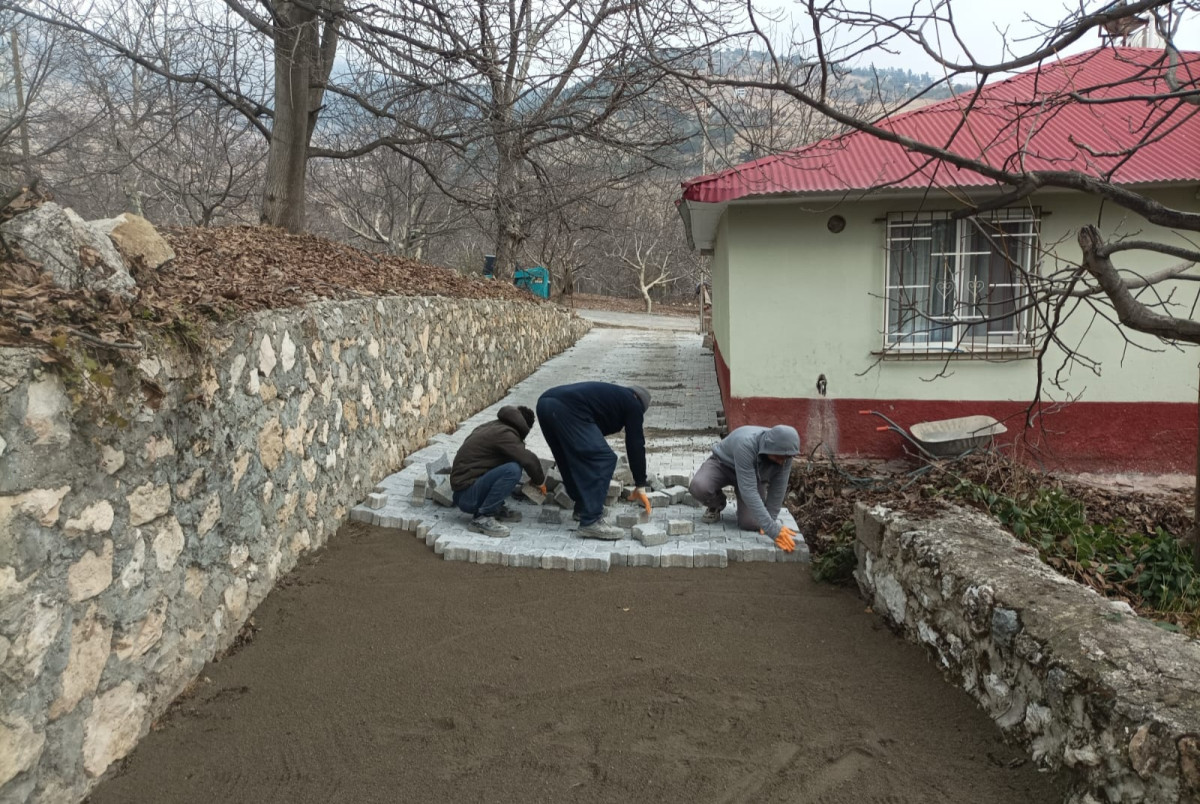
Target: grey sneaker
604,513
506,514
599,530
711,515
488,526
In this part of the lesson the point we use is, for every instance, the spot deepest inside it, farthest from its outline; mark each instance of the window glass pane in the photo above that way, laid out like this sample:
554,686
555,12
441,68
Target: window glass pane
958,282
909,318
908,259
996,254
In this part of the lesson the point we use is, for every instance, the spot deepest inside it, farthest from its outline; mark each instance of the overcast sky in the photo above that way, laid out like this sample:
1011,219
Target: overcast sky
982,24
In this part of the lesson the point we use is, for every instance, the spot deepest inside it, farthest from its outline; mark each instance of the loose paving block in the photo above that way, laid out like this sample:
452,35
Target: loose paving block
533,494
659,499
563,499
688,499
376,500
553,480
677,480
437,467
551,516
679,527
443,494
623,475
676,493
650,535
654,482
626,520
614,489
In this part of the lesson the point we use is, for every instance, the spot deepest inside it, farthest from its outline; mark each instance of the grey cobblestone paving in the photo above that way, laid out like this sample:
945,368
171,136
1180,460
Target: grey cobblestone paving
681,427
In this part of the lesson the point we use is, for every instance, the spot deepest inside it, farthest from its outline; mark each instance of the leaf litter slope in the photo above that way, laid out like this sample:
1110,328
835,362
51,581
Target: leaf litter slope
220,273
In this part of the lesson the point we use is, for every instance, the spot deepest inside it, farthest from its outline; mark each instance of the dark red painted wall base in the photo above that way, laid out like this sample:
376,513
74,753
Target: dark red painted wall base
1154,437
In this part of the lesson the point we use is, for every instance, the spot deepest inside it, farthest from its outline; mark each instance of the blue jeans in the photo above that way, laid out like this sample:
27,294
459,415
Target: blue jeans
485,496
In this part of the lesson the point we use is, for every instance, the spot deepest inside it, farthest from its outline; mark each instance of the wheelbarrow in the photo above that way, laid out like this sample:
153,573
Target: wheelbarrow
945,438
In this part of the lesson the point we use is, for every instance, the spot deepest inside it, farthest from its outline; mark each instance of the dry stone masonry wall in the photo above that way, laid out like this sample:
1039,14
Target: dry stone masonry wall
146,511
1080,681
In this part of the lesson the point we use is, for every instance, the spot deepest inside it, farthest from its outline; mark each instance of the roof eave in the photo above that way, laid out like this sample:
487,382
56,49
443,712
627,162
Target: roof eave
701,218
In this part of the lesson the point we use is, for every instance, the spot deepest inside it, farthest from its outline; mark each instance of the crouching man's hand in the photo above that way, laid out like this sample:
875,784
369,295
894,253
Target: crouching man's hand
786,540
639,495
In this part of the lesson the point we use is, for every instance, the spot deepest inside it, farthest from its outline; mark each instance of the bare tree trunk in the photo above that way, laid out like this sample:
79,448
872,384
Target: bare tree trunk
302,64
19,87
283,195
509,230
646,295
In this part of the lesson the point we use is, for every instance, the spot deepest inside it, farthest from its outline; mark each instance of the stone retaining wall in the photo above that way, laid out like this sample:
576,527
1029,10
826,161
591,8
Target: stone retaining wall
1079,680
146,510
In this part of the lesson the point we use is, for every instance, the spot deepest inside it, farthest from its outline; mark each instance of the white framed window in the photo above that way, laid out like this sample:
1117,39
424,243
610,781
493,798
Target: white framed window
959,285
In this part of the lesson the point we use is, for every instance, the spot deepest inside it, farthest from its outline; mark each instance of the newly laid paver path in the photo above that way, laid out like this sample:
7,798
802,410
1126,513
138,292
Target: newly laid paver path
681,427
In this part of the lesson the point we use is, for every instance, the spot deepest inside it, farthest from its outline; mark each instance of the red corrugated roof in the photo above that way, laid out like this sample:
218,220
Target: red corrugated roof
1027,122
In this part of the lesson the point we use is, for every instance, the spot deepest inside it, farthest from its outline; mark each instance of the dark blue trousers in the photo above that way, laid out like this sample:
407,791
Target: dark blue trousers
485,496
583,456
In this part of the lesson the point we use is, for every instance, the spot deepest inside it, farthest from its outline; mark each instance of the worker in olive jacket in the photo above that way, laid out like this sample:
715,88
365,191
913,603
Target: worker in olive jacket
487,469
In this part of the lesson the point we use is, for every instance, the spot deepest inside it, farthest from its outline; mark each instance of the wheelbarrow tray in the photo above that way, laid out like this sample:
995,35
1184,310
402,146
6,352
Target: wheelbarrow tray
947,438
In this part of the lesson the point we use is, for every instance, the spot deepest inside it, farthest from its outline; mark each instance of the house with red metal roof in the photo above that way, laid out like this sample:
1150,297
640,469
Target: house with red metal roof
849,275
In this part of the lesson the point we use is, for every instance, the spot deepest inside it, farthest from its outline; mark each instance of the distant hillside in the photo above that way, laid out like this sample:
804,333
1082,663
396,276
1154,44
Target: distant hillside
895,83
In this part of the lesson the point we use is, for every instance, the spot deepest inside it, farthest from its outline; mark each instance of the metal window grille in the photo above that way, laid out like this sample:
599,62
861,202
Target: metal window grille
959,286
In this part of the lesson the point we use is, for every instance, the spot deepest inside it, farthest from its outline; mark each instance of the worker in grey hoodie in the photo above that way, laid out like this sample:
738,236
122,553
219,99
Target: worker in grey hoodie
757,462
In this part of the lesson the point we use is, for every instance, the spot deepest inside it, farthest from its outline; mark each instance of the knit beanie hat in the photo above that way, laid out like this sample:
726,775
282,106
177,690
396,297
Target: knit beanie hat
642,394
527,413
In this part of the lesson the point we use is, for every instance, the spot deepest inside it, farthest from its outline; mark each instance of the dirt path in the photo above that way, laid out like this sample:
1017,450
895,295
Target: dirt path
382,674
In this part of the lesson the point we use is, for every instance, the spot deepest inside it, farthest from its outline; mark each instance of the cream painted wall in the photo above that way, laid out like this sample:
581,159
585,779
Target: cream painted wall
721,290
804,302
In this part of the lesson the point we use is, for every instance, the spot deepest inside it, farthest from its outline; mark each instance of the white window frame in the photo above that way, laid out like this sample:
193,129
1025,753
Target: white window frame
948,329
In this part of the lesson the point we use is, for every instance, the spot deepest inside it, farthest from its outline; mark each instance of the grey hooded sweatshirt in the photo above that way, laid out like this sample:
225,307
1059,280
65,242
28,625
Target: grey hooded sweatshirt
746,450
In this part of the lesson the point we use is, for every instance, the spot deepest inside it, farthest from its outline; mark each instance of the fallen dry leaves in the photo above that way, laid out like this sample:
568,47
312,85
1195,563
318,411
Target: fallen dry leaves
219,273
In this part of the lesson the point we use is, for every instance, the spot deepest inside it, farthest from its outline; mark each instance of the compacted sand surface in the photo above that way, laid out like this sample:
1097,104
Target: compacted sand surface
380,673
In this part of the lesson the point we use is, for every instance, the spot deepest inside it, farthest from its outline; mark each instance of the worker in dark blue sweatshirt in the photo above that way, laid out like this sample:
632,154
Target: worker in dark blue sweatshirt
575,419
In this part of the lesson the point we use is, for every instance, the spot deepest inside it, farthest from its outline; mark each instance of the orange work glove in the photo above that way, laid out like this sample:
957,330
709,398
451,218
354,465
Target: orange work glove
638,495
786,540
542,489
